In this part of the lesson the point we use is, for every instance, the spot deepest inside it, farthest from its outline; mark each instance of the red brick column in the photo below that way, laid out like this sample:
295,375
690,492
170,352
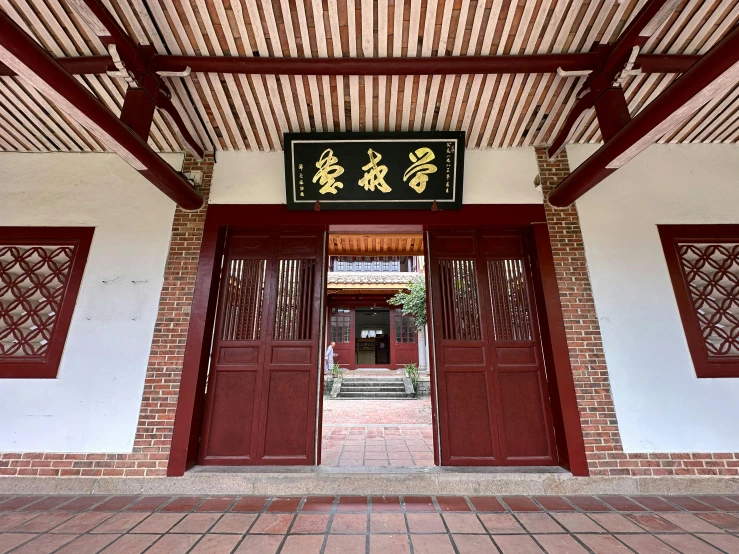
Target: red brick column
161,387
593,389
603,446
162,384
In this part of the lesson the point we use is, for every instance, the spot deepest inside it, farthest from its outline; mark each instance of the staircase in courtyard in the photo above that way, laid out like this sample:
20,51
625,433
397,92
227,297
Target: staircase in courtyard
373,388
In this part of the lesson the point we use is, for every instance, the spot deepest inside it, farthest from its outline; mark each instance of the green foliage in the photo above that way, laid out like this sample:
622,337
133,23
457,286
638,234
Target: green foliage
336,372
413,302
411,371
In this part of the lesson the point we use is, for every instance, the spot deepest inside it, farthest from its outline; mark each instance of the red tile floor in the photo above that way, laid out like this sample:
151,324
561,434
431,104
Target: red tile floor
377,433
383,525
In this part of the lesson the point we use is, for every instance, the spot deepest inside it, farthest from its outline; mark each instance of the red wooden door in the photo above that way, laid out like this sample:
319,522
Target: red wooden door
341,331
405,339
262,389
493,402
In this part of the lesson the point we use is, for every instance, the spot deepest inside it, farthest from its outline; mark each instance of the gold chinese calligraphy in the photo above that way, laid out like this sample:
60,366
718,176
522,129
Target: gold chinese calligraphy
420,169
374,175
328,170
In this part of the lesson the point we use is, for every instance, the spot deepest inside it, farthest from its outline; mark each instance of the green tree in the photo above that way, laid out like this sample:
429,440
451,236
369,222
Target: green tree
413,302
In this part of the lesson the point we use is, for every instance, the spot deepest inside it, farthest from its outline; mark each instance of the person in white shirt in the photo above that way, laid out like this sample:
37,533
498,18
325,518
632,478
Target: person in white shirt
329,357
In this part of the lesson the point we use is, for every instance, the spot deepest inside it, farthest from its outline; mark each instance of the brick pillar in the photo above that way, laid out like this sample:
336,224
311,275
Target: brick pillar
597,413
161,388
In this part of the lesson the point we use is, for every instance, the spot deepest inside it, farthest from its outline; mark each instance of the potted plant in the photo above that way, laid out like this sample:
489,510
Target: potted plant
411,378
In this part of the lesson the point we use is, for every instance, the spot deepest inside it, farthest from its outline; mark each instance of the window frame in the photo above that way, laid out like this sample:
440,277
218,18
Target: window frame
50,236
670,236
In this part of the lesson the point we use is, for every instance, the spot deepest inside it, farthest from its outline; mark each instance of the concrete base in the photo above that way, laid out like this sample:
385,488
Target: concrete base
271,481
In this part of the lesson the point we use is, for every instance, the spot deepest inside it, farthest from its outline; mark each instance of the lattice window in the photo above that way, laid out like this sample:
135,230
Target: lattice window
458,281
244,300
40,274
712,274
704,266
294,306
340,324
405,327
510,300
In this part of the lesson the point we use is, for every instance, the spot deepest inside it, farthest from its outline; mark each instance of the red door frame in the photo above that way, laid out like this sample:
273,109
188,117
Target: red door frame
343,355
189,414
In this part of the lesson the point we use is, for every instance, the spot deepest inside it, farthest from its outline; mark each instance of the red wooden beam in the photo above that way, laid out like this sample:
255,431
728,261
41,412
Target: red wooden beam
34,65
612,60
79,65
441,65
437,65
716,72
134,61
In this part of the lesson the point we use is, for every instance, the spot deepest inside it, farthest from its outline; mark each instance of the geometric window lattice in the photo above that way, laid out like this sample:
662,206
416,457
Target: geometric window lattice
33,284
711,273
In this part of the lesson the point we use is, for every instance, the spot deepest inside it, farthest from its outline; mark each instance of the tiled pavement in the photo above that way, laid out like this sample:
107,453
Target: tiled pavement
377,433
377,446
377,412
383,525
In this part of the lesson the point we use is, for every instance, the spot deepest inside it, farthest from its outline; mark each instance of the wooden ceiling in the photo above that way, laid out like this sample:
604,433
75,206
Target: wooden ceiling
375,244
237,112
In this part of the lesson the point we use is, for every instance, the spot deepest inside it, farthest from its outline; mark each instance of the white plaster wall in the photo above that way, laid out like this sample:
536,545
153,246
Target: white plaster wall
93,404
660,404
503,176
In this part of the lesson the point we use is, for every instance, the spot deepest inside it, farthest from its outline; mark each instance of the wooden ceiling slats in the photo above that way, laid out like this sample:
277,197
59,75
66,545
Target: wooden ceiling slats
727,119
368,245
11,90
28,117
252,111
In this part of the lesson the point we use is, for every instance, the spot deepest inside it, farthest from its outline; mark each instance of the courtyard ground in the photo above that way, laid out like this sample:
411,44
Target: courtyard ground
377,433
377,525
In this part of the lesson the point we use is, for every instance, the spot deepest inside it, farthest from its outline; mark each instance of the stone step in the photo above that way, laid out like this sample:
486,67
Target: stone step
374,398
373,389
363,394
373,382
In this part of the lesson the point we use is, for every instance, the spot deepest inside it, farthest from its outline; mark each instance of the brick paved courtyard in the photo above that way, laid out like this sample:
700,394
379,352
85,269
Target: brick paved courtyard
384,525
377,433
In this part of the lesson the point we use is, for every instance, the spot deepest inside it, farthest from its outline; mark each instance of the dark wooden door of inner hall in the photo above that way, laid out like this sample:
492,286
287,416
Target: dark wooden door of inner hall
263,380
493,401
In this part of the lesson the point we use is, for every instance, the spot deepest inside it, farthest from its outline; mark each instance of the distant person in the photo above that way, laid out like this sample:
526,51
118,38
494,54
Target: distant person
329,357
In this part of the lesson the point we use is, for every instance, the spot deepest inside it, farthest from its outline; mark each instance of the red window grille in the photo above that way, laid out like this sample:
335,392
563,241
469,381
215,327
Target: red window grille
703,261
458,282
244,300
40,274
293,313
340,325
405,327
509,299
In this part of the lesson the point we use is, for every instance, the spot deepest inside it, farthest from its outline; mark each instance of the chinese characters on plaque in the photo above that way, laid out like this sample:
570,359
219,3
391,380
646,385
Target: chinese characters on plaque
374,170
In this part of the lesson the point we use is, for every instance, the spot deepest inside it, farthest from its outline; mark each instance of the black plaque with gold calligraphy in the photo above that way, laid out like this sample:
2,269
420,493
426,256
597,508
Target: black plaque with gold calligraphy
360,171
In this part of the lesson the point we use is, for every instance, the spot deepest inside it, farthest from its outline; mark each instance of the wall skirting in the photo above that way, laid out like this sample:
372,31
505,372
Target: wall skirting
323,481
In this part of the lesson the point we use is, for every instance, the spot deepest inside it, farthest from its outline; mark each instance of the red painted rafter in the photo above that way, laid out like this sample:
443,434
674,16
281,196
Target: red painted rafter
612,59
715,73
439,65
150,91
35,66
